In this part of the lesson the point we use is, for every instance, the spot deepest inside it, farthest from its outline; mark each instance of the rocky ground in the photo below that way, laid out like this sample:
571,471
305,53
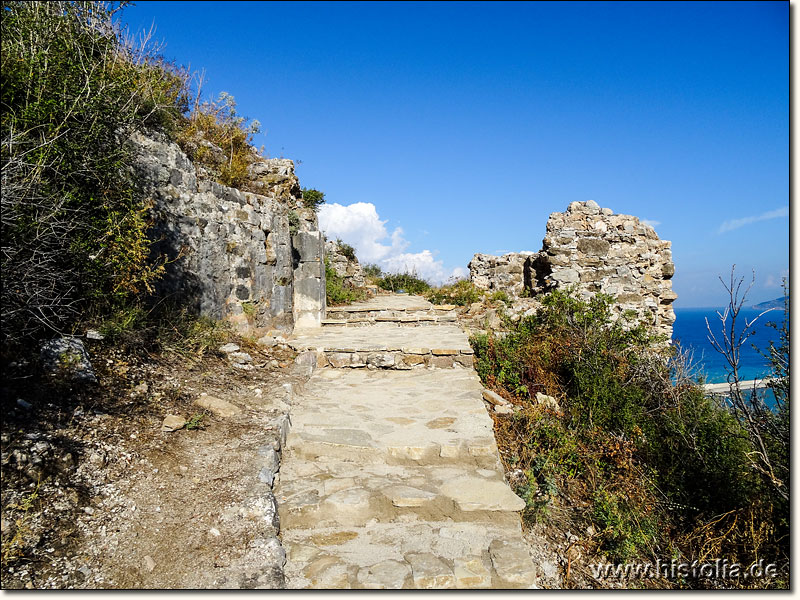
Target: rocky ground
97,493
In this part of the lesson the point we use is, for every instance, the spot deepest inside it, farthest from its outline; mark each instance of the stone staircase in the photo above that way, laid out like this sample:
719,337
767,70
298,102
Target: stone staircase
391,477
397,310
376,334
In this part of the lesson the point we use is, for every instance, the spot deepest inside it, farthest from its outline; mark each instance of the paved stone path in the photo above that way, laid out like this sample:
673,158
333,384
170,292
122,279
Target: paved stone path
391,478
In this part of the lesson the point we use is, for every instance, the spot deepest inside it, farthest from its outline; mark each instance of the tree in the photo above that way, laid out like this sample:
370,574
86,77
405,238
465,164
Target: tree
767,430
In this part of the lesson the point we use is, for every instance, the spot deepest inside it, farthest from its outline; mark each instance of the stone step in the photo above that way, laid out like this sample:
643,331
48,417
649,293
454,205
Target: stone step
399,321
326,494
409,555
403,359
415,417
383,346
355,317
367,309
354,444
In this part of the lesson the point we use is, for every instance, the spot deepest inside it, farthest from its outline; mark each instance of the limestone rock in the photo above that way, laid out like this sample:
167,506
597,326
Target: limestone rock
512,563
219,407
471,573
493,397
596,251
67,357
472,493
385,575
430,572
345,266
173,423
547,401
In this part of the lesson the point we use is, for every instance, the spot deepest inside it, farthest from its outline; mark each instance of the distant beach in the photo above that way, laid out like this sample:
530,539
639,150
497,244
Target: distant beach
690,331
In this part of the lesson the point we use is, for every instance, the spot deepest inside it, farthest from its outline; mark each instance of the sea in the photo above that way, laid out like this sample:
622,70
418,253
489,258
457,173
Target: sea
691,333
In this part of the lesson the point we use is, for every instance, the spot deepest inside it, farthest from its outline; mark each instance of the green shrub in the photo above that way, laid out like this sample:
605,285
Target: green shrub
626,530
500,296
313,198
655,462
294,222
346,250
404,281
217,138
372,271
336,291
74,223
460,293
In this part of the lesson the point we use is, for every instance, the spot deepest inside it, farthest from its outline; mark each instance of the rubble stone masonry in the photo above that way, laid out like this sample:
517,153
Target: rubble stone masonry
592,250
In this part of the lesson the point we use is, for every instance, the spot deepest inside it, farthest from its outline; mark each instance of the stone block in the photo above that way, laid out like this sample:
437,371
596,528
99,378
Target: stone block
429,572
339,360
439,362
493,397
413,359
219,407
466,360
512,563
308,245
404,496
381,360
385,575
471,573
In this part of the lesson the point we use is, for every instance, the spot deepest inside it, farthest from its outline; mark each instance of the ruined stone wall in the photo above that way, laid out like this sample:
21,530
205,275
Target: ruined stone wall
593,250
252,259
510,273
349,270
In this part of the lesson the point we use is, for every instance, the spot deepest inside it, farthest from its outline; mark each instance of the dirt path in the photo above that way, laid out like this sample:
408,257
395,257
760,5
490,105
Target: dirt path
116,502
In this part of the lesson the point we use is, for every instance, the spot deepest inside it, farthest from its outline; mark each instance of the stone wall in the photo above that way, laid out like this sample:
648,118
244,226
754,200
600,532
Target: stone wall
510,272
348,269
594,250
252,259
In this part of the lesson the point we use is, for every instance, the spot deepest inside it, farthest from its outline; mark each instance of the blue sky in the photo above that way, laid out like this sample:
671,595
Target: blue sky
442,130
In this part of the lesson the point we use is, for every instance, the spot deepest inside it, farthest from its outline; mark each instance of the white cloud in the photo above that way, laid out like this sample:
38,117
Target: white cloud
459,273
776,281
360,226
732,224
650,222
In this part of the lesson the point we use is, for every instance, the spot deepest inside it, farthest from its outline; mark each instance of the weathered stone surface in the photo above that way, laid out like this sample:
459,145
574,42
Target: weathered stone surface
380,359
226,246
347,268
547,401
385,575
219,407
406,496
429,572
596,251
508,272
392,478
173,423
470,573
67,357
512,563
493,397
472,493
439,362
